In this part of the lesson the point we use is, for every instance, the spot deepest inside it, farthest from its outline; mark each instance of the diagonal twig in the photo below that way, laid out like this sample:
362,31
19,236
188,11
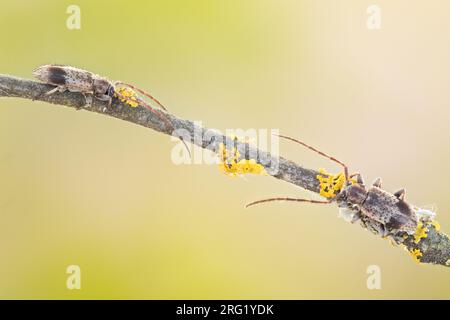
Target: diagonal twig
434,248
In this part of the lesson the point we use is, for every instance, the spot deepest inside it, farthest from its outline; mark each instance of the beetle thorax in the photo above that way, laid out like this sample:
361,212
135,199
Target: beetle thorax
101,85
356,194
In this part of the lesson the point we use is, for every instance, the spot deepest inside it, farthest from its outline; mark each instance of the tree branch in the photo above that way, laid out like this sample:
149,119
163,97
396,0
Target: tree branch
434,248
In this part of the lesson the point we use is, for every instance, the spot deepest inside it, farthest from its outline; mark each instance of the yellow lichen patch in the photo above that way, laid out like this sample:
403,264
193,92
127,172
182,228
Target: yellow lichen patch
436,225
416,254
232,166
421,232
127,96
330,184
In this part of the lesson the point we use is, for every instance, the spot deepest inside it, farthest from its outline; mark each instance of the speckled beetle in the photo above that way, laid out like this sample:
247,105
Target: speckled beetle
381,212
83,81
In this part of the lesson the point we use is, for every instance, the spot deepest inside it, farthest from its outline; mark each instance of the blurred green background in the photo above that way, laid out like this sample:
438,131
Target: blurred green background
80,188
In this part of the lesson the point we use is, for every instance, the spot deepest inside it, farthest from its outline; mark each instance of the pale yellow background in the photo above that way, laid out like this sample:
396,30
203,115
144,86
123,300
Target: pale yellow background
80,188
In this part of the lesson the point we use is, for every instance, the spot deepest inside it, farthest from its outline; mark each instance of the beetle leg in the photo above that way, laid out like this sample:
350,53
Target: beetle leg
87,100
383,231
373,226
396,239
379,228
103,97
400,194
359,178
356,217
60,89
370,225
377,183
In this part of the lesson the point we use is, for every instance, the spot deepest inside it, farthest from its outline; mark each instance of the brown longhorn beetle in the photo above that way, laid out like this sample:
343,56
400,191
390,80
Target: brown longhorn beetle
78,80
381,212
83,81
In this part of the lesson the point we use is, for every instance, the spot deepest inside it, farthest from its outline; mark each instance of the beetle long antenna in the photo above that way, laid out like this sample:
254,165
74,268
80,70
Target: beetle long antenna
142,92
158,113
148,107
319,152
144,104
186,146
287,199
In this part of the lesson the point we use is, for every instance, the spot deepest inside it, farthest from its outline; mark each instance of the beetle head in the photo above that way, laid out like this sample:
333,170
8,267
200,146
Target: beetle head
110,91
101,86
355,194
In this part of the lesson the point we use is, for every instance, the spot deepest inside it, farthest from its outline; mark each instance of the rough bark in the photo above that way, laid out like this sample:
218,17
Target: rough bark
434,248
